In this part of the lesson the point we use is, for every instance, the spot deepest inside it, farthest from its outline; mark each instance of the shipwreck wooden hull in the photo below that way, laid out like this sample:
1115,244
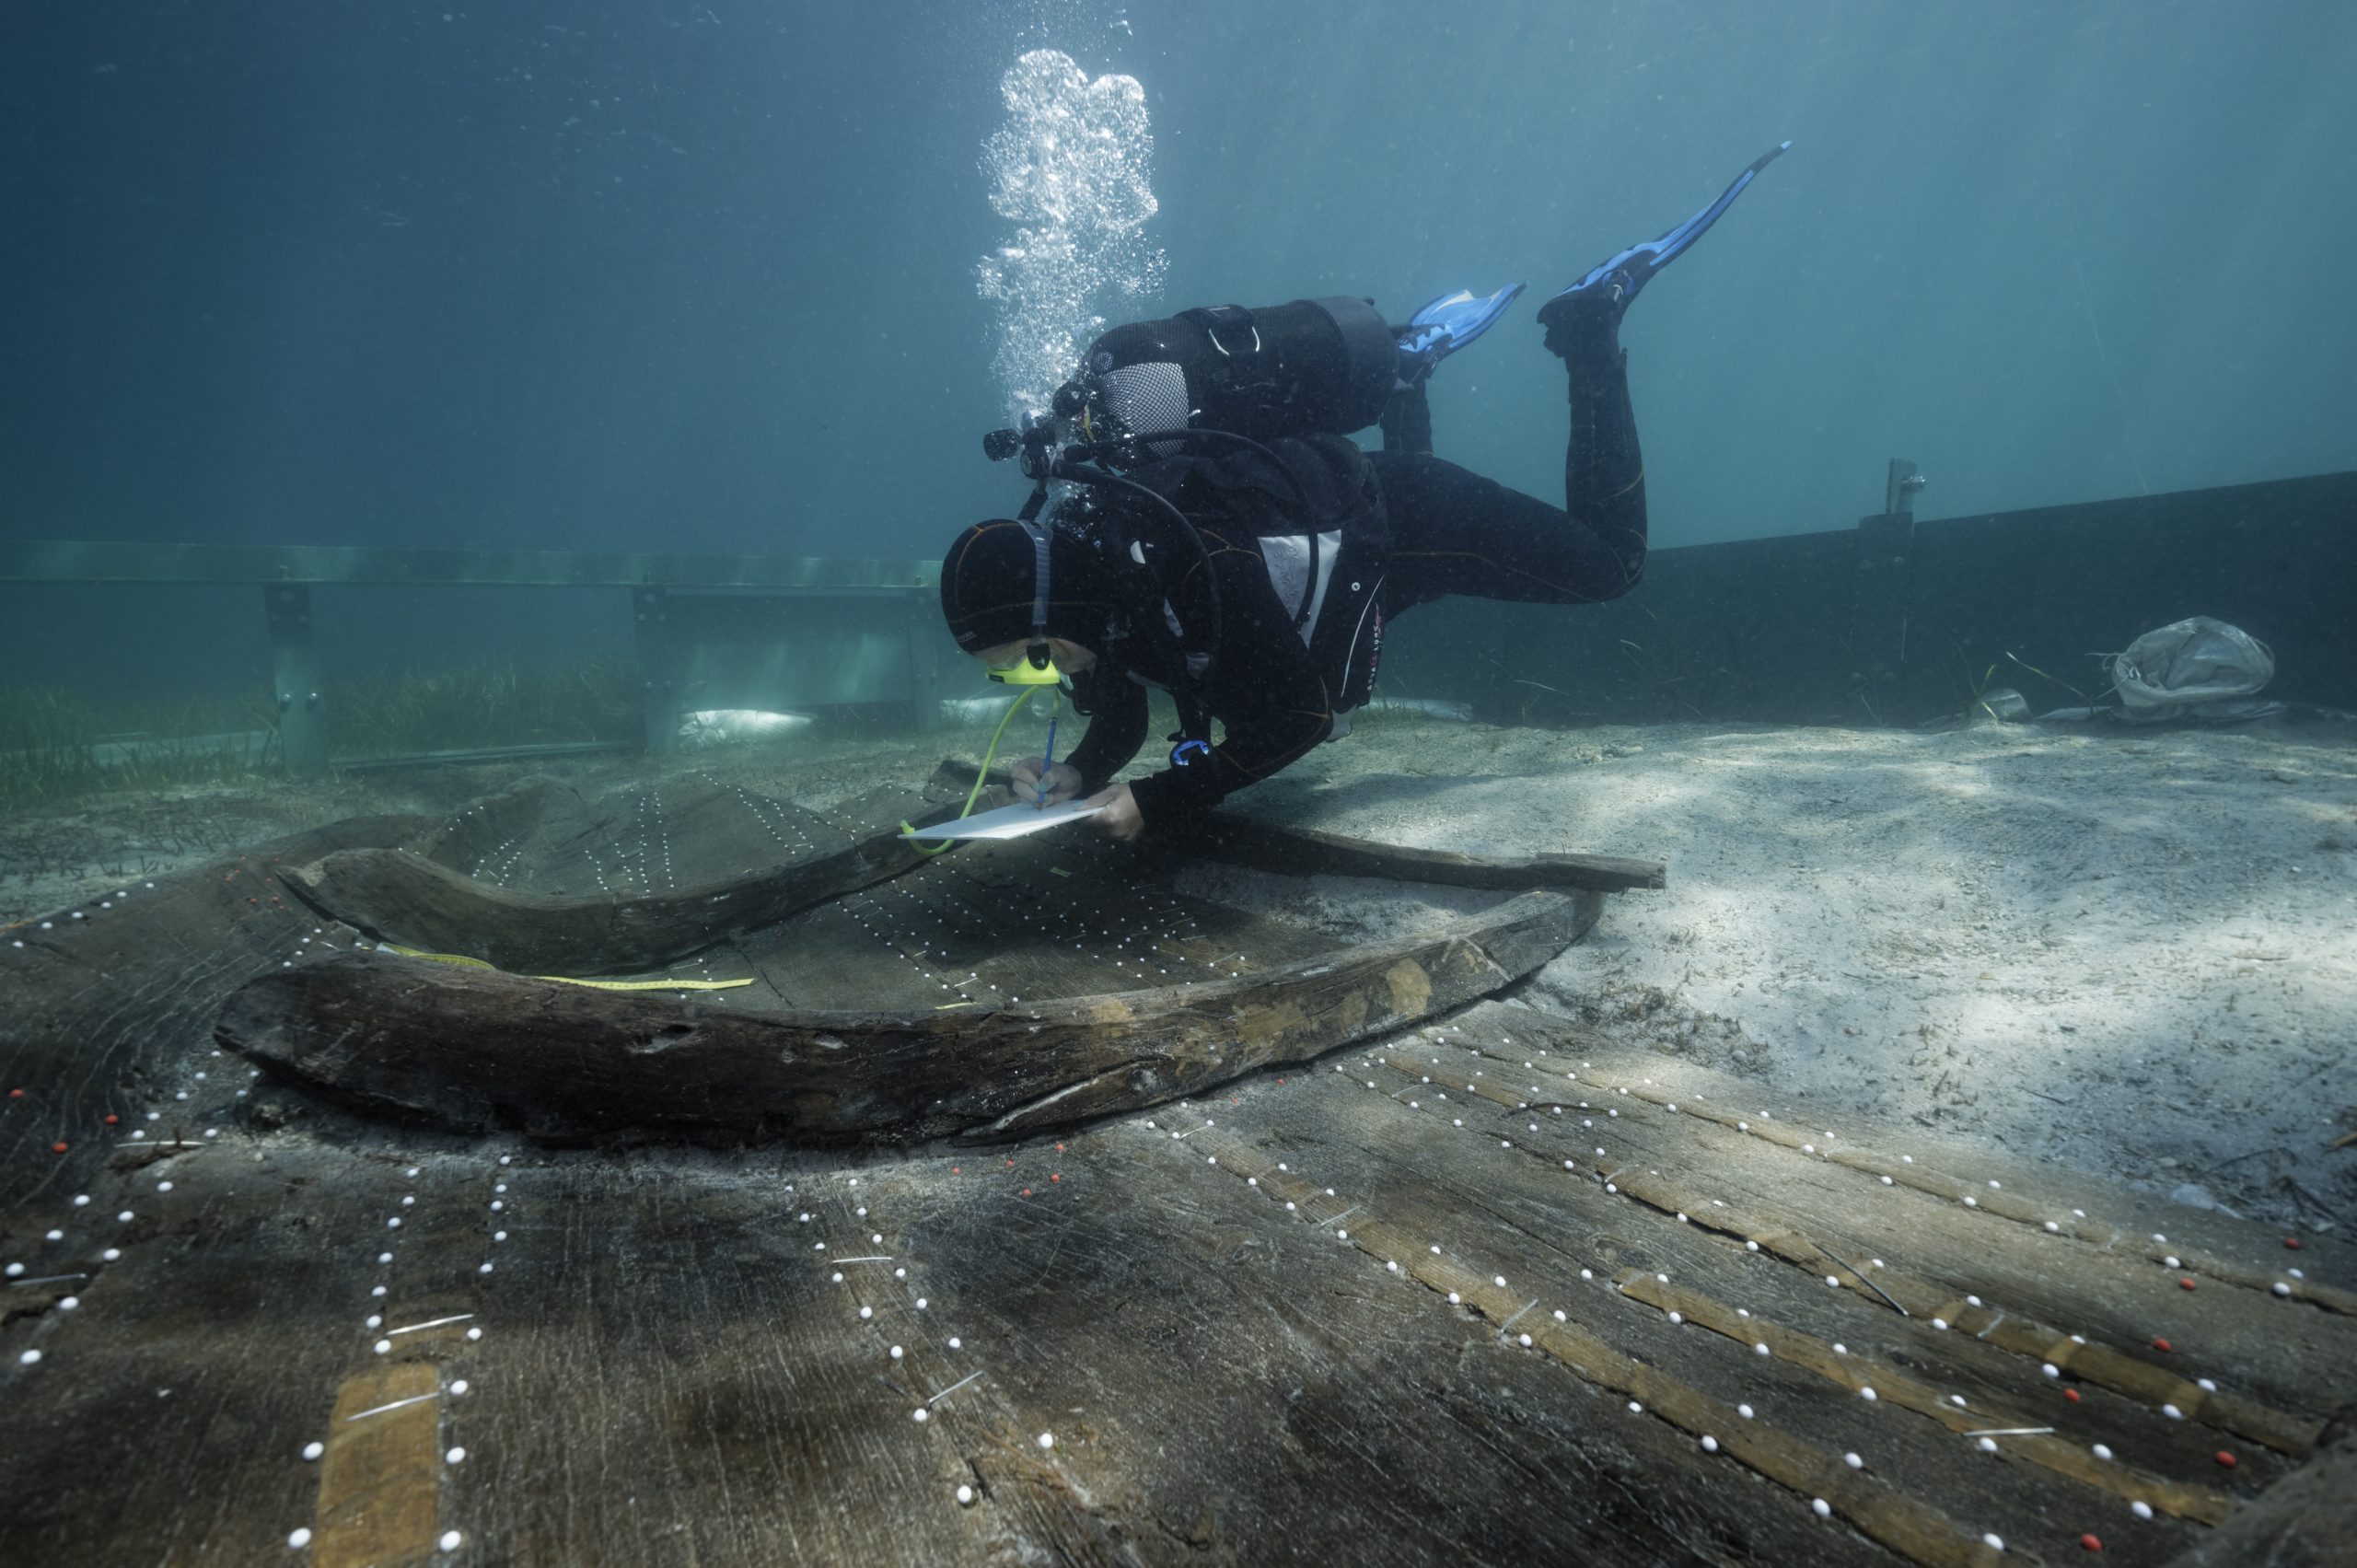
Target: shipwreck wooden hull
102,1004
1477,1284
1318,1318
475,1051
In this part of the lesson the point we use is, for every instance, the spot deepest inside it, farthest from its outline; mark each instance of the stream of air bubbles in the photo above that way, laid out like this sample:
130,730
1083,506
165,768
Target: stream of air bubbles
1070,170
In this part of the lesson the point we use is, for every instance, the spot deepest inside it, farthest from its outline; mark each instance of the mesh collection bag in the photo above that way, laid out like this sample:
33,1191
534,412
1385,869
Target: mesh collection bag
2194,669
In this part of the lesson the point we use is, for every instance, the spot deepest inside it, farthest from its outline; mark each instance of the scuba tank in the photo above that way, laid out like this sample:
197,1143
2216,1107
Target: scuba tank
1314,366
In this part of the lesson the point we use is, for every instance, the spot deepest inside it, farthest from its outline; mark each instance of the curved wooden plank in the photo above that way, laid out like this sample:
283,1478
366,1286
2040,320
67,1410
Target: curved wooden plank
402,896
1308,851
1304,851
419,901
469,834
474,1050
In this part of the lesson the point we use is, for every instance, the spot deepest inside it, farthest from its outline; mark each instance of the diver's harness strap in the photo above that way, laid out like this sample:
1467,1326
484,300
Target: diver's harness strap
1084,464
1232,335
1146,613
1132,448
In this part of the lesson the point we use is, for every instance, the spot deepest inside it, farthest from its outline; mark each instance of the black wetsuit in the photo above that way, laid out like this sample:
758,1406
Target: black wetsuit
1434,530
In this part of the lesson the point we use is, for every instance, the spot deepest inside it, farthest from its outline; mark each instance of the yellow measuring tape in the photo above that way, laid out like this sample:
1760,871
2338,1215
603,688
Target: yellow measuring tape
461,960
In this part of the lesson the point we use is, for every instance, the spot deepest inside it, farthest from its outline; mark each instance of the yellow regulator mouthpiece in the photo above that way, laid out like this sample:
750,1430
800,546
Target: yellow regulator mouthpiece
1023,672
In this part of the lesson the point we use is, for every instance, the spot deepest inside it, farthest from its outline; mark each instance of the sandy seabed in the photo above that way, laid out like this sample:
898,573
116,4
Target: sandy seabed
2126,952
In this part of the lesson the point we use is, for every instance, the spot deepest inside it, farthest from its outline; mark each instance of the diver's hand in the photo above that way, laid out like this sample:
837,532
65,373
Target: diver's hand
1063,782
1121,820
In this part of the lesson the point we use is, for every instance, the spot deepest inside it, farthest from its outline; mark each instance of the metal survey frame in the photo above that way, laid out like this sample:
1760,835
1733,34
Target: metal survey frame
712,631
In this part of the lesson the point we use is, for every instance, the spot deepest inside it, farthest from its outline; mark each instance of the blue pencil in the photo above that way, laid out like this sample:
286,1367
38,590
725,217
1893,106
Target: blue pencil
1047,760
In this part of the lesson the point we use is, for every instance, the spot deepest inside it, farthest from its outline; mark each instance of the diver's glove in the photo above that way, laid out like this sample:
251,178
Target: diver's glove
1063,781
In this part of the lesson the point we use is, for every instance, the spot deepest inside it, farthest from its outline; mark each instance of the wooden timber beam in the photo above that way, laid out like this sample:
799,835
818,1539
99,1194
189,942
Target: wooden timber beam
1305,852
475,1050
401,896
2305,1520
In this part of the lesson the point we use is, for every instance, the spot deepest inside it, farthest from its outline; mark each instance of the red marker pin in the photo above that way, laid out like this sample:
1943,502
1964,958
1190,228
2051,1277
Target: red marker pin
2161,1344
2092,1541
2072,1395
57,1148
2292,1242
2185,1283
2226,1458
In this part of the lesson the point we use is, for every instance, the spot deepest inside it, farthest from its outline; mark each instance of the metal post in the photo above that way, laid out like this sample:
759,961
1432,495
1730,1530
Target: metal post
297,686
1899,489
929,645
657,669
1879,603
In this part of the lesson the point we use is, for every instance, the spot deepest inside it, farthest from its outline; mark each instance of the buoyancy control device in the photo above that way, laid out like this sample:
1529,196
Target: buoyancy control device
1200,403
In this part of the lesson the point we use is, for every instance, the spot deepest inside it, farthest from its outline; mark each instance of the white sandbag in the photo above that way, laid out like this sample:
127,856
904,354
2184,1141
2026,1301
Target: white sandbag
2189,669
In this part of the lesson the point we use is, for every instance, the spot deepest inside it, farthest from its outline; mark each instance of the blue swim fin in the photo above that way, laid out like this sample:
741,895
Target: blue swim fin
1446,325
1617,281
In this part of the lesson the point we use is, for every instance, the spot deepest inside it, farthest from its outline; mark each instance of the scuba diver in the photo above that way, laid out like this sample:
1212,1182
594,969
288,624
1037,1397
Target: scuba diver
1217,534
